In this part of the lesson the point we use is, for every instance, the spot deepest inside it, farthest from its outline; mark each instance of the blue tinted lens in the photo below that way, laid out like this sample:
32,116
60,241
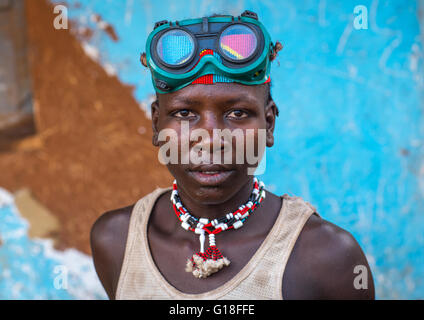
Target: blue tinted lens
175,47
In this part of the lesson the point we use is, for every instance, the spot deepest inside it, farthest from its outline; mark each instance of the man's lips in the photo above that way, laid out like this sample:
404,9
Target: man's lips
210,175
209,168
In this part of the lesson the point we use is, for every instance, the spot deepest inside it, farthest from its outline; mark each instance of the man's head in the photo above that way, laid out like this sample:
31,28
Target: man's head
216,102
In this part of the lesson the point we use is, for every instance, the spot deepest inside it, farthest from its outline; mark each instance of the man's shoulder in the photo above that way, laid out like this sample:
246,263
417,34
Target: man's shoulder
115,220
108,241
111,220
324,264
322,235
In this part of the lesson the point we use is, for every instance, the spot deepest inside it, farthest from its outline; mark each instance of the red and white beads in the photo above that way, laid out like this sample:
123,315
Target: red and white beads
202,264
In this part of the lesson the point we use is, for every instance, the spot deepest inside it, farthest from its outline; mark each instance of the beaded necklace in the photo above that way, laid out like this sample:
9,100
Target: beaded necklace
203,264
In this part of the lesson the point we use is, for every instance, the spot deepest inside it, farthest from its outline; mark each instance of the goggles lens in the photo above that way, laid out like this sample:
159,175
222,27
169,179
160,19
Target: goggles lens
238,42
175,47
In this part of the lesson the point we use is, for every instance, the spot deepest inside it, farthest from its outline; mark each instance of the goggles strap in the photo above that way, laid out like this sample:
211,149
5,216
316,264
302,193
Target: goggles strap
213,78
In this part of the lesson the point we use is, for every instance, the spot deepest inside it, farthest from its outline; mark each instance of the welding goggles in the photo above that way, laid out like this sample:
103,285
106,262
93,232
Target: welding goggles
209,50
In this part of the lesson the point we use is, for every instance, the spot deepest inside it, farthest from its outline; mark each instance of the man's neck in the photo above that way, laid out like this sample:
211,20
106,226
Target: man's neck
214,211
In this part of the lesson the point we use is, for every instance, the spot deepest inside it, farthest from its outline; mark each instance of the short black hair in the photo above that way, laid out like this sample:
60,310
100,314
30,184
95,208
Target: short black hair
268,96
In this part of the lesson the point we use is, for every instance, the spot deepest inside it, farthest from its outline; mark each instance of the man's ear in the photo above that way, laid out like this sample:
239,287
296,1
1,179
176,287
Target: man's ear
154,107
270,117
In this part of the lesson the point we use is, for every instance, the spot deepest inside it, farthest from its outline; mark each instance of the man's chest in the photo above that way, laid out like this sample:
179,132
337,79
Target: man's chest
171,255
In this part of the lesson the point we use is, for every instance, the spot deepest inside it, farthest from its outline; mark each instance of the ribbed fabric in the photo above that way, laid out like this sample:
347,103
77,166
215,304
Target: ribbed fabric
206,79
213,78
260,279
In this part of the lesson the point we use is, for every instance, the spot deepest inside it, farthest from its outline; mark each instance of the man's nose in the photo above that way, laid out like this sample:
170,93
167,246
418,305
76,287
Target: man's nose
210,121
212,142
210,124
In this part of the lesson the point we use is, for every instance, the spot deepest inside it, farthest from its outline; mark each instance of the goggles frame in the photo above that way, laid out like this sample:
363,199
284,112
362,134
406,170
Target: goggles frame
206,33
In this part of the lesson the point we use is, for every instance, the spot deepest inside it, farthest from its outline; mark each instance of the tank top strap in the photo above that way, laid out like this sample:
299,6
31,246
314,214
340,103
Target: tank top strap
135,279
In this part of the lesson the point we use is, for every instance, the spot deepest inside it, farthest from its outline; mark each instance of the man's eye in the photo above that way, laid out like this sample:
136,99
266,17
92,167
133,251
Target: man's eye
237,114
183,114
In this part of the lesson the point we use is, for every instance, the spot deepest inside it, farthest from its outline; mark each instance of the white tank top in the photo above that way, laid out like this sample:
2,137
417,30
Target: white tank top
261,278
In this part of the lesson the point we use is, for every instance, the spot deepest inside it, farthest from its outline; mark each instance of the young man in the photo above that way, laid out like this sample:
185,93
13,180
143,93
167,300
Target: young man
213,74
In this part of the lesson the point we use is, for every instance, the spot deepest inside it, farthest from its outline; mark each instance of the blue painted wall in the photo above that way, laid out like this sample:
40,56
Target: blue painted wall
349,138
33,269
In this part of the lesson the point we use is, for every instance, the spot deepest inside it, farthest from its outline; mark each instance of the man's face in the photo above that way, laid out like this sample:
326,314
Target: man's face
212,168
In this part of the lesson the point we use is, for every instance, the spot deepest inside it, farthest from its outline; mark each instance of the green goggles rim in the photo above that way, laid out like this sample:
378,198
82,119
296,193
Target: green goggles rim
213,42
165,81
